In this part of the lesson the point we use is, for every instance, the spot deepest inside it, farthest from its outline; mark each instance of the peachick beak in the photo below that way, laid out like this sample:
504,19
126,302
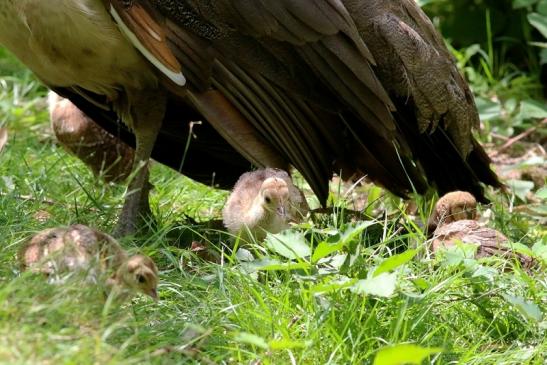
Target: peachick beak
281,211
154,294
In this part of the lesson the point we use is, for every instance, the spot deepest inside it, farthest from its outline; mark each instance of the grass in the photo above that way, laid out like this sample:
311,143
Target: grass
368,285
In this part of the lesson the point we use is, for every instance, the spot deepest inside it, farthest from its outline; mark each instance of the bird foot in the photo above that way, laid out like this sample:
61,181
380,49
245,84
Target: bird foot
148,111
136,212
126,226
132,219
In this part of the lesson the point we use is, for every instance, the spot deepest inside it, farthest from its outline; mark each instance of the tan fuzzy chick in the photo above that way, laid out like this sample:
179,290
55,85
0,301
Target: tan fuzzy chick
466,231
104,154
80,248
263,201
455,221
451,207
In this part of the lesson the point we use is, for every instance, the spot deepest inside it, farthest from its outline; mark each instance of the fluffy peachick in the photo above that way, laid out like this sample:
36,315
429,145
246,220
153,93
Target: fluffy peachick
263,201
80,249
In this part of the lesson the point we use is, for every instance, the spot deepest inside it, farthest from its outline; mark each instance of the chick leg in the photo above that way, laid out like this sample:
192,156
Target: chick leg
148,110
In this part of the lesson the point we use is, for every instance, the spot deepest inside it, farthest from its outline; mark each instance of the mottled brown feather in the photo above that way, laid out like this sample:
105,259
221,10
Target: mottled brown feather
107,156
80,248
454,221
148,31
363,85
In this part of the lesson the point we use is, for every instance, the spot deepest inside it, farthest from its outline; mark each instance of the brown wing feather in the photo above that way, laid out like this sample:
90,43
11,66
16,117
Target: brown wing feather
215,107
141,21
308,76
414,64
324,49
324,33
280,120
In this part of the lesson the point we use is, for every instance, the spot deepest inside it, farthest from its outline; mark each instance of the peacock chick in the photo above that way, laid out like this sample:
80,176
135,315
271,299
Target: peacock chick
106,155
466,231
136,274
79,248
455,221
451,207
263,201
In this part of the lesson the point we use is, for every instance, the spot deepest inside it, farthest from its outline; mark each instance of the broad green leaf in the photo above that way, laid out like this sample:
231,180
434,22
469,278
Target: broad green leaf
510,105
355,230
324,249
520,248
521,188
542,7
538,209
395,261
286,266
290,244
244,255
382,285
530,109
543,56
337,261
249,338
252,339
486,272
539,22
8,183
457,254
529,310
488,109
333,285
268,264
517,4
421,283
532,161
473,50
540,250
404,354
374,194
542,193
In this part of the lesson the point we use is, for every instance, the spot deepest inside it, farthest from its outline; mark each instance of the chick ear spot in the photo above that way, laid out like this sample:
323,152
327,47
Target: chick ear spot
141,279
